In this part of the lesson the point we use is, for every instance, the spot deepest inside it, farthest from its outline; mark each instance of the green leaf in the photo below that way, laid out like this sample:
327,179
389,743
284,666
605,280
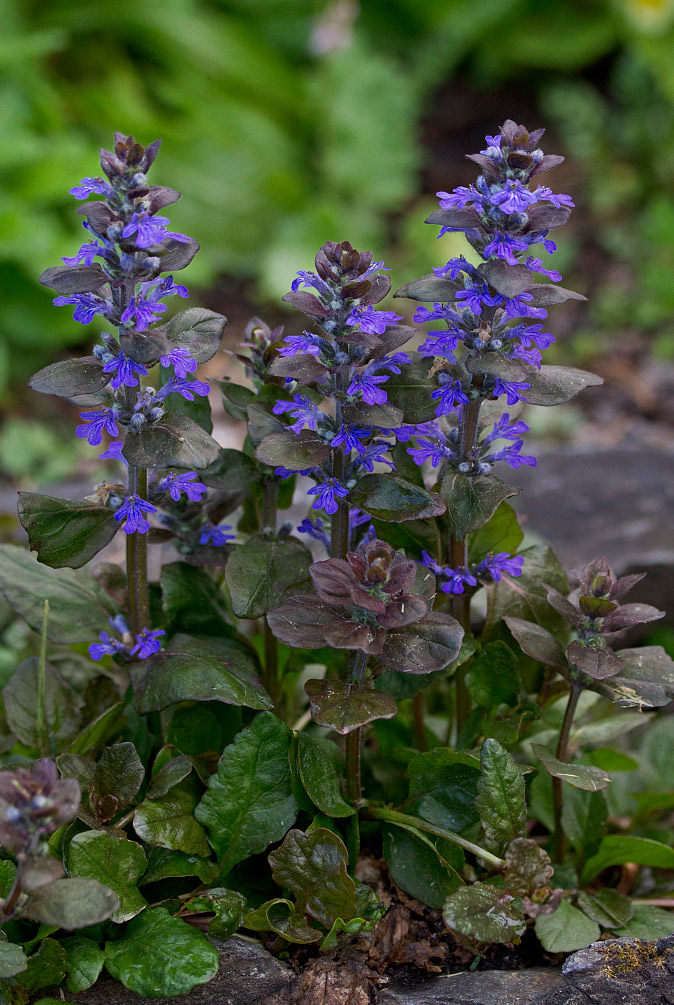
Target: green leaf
313,867
46,967
63,532
647,923
167,775
566,930
165,864
485,913
617,849
494,676
249,802
198,670
443,787
72,903
95,733
176,441
279,916
13,960
607,907
233,471
70,377
319,777
198,330
427,288
79,608
472,500
584,819
501,800
118,776
229,907
501,533
528,867
428,871
411,391
192,600
390,498
295,451
7,876
526,597
112,859
343,706
260,571
555,385
235,399
169,821
581,776
369,910
161,956
538,643
85,962
61,706
426,646
405,685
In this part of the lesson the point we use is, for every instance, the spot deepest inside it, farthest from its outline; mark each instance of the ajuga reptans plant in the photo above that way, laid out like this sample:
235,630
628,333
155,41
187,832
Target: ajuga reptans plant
208,740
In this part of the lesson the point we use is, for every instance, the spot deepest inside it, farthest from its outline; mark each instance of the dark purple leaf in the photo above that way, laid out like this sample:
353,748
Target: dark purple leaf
295,451
596,663
71,377
344,707
307,303
67,279
509,280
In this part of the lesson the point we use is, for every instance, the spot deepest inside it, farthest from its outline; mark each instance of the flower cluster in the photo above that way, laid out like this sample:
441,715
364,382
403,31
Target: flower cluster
489,569
348,365
492,311
357,602
122,643
598,615
502,441
34,802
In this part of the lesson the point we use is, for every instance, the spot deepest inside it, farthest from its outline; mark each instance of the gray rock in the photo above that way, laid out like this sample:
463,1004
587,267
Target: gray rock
617,972
487,987
248,975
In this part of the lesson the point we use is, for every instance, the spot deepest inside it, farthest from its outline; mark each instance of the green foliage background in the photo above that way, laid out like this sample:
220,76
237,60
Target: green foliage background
280,142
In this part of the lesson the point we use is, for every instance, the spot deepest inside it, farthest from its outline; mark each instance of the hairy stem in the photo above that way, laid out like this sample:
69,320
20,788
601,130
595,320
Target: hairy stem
461,611
357,666
40,725
269,519
563,755
136,560
405,820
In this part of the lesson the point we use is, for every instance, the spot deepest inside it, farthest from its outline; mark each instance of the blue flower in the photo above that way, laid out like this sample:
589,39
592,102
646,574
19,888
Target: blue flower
454,268
477,296
89,186
307,343
442,343
174,484
374,454
449,394
505,430
326,493
495,565
461,197
543,193
510,388
131,511
366,384
351,436
86,254
106,647
513,198
94,424
315,529
302,410
185,388
457,580
125,370
216,535
504,246
426,450
310,279
517,307
87,306
372,321
180,360
145,305
536,265
114,452
150,230
147,643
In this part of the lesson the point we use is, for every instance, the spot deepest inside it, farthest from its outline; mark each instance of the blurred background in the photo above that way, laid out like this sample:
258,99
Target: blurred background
289,122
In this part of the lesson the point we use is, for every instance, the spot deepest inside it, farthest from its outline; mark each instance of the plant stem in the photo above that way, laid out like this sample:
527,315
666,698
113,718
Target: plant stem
269,519
357,666
405,820
40,730
563,755
418,709
461,611
136,560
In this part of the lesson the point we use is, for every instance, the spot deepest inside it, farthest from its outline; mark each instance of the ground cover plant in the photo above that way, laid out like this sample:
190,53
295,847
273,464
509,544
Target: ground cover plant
308,688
